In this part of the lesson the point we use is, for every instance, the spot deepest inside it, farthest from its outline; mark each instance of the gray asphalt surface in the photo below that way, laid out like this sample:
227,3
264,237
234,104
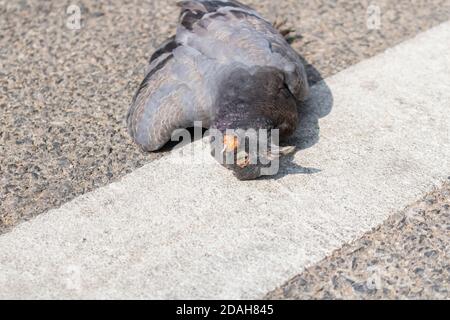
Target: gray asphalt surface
408,257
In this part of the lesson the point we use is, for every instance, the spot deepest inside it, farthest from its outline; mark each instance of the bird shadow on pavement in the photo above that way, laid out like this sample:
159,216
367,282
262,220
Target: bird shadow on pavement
317,106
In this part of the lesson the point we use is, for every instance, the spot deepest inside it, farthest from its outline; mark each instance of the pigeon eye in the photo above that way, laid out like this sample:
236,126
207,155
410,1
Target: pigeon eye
243,159
230,143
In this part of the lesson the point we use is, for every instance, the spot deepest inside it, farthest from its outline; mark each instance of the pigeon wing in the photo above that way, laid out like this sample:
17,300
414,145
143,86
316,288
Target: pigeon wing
235,34
172,96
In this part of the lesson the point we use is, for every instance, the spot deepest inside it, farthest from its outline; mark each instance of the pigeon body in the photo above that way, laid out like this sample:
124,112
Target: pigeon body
228,68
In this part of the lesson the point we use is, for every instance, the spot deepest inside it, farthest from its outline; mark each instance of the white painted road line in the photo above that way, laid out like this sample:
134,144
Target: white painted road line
183,230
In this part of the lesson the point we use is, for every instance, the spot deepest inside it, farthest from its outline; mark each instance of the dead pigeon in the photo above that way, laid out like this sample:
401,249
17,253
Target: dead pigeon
227,67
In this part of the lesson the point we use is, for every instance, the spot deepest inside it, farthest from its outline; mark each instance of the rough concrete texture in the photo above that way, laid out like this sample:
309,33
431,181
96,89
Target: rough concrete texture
178,229
407,257
64,93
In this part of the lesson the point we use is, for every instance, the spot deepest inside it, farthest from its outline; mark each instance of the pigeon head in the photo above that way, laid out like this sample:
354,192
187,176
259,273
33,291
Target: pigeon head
250,156
238,157
253,111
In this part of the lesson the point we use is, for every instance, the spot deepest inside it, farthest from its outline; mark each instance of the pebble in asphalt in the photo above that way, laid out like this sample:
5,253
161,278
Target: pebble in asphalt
64,93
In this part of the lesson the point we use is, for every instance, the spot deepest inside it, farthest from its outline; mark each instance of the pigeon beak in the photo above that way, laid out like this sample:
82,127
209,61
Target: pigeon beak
277,152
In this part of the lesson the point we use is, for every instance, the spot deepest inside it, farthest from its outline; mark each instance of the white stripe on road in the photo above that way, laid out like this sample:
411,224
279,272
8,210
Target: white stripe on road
181,230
